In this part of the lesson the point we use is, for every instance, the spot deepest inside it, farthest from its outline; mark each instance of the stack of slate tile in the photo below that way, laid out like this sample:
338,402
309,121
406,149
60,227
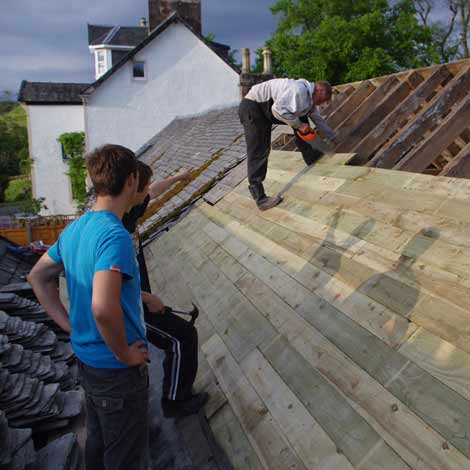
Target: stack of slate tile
16,446
28,310
17,450
37,383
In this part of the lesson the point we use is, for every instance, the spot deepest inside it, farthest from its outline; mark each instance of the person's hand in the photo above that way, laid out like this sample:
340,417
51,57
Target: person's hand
184,174
135,355
153,302
304,128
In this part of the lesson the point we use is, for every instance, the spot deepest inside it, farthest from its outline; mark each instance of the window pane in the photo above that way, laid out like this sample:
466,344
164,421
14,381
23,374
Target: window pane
139,69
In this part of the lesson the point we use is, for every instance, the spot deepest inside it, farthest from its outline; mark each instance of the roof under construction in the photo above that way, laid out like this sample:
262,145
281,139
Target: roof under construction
334,328
415,121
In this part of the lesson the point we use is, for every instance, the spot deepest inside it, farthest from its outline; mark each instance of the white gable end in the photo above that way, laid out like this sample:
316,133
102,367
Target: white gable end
182,77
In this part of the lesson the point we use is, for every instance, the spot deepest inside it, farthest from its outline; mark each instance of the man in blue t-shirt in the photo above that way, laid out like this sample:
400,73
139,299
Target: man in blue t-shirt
105,320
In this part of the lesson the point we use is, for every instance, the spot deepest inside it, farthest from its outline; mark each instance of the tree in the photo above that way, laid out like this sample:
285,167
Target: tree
346,40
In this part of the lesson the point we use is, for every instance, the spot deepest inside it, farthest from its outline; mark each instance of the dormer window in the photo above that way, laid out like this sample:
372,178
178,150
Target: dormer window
138,70
100,62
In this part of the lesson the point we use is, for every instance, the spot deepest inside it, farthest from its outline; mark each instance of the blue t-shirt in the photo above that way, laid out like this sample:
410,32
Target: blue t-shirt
94,242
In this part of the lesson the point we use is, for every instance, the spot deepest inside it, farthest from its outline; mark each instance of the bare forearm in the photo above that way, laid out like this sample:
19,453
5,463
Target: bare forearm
48,296
160,187
111,327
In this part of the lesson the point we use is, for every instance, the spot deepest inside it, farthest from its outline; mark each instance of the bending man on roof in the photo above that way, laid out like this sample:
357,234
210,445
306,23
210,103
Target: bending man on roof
165,330
280,101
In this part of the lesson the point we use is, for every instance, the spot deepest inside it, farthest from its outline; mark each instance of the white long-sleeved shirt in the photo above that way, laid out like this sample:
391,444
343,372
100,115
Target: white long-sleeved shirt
291,100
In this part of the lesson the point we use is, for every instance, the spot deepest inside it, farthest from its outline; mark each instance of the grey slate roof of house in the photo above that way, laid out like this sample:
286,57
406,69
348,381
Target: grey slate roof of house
212,143
50,93
116,35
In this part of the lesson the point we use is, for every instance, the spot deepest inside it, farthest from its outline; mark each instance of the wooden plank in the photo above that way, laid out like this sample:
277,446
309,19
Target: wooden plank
364,109
237,321
264,434
374,317
350,104
459,166
426,396
441,359
376,116
305,435
337,100
417,444
429,117
353,436
425,153
397,118
232,440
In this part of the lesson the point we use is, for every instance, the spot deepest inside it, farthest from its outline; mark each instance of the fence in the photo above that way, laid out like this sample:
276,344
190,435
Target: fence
25,230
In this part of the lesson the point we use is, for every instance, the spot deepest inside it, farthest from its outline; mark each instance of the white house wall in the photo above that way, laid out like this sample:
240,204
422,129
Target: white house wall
46,124
183,76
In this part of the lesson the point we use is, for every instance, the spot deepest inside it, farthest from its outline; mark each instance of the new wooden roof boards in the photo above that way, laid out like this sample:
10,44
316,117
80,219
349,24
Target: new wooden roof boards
334,329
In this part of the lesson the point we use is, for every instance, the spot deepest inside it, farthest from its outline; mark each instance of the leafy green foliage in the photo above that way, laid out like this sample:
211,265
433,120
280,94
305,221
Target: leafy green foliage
14,156
19,189
74,147
345,40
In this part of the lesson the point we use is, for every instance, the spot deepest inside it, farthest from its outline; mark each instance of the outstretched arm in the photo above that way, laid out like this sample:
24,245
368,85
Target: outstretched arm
160,187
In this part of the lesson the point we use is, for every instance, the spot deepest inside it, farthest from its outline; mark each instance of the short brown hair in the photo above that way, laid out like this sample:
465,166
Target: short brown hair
109,167
325,86
145,173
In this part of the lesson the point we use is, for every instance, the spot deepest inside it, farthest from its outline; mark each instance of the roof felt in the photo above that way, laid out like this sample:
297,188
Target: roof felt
116,35
173,18
331,326
211,143
413,121
51,93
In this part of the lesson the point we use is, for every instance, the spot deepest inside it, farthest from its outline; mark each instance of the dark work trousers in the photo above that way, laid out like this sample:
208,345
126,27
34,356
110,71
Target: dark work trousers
178,338
257,120
117,417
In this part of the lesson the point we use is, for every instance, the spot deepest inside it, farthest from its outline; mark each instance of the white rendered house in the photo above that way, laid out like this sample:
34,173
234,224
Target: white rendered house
173,72
52,109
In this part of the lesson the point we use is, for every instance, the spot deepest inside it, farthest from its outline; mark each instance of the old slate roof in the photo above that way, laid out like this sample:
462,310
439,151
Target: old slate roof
334,329
116,35
173,18
416,120
51,93
211,143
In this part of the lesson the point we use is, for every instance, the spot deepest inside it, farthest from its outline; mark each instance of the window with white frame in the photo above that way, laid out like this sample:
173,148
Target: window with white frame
138,70
100,62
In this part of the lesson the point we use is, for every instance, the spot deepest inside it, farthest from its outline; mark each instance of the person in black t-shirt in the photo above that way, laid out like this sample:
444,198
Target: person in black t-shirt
177,337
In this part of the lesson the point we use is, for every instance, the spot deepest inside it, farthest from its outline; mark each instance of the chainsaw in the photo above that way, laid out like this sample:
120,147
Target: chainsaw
313,139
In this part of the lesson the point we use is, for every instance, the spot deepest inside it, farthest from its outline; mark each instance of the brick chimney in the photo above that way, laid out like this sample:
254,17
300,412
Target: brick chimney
189,10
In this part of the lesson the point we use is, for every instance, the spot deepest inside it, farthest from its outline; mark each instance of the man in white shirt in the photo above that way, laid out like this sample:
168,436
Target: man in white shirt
280,101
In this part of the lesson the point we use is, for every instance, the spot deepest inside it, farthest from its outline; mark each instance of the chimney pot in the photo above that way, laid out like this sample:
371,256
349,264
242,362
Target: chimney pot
245,60
267,62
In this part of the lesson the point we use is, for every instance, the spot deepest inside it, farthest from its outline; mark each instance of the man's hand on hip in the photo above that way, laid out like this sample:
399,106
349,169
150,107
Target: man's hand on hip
135,354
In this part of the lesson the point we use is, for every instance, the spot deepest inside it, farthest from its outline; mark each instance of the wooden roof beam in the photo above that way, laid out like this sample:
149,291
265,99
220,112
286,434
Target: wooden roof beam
350,104
366,107
385,107
459,167
424,154
428,118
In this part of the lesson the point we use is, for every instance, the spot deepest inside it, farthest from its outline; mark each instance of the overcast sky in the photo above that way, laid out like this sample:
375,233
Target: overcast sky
46,40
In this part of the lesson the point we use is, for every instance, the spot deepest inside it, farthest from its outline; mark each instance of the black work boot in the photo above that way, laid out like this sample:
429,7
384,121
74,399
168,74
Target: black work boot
180,408
262,201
